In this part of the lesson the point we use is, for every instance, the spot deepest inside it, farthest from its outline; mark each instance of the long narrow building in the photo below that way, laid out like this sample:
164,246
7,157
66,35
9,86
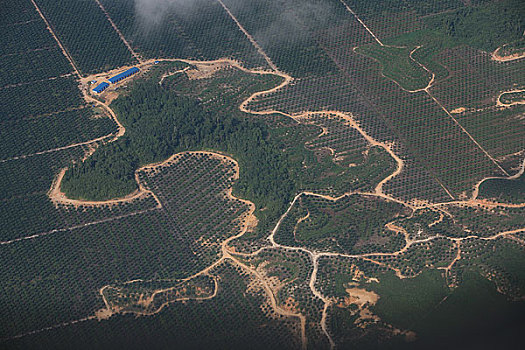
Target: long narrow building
123,75
100,87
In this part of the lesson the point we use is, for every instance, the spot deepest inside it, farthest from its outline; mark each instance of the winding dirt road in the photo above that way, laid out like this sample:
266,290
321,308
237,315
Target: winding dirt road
495,56
249,221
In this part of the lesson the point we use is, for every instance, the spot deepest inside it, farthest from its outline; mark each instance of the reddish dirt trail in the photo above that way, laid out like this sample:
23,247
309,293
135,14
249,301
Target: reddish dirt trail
427,90
467,133
71,228
62,47
36,81
495,56
133,53
362,23
248,222
58,197
226,253
85,143
432,75
248,35
501,104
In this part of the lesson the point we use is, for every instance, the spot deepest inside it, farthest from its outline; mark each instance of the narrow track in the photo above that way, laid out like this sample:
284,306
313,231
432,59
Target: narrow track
121,36
250,37
495,56
227,253
85,143
62,47
427,90
362,23
36,81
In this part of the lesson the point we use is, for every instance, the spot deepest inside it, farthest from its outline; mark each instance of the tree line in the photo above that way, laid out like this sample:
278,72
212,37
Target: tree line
160,123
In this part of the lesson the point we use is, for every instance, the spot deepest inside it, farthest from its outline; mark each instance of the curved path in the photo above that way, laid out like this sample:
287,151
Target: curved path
229,254
495,56
250,220
501,104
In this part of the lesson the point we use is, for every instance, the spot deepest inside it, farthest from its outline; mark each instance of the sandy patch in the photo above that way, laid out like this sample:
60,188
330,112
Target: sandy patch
458,110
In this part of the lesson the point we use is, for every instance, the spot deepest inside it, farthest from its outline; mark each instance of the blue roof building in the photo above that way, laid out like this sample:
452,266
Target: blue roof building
100,87
123,75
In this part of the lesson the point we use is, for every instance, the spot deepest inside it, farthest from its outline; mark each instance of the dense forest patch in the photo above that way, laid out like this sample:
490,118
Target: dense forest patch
160,123
485,27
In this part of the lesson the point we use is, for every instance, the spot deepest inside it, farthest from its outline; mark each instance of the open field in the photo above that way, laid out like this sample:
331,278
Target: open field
311,174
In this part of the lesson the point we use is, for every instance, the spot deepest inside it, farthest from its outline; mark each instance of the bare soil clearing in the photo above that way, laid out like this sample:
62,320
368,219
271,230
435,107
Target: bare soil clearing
250,221
361,297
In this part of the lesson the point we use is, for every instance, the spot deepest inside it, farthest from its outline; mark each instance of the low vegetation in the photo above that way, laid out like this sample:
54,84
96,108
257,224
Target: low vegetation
363,271
398,65
77,25
505,190
514,48
512,97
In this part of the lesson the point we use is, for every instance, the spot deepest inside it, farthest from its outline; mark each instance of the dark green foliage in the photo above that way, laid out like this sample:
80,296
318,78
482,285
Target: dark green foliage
199,29
286,31
509,259
500,131
87,34
24,11
486,26
39,98
27,136
474,316
232,320
434,6
512,191
405,301
160,123
32,66
17,39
